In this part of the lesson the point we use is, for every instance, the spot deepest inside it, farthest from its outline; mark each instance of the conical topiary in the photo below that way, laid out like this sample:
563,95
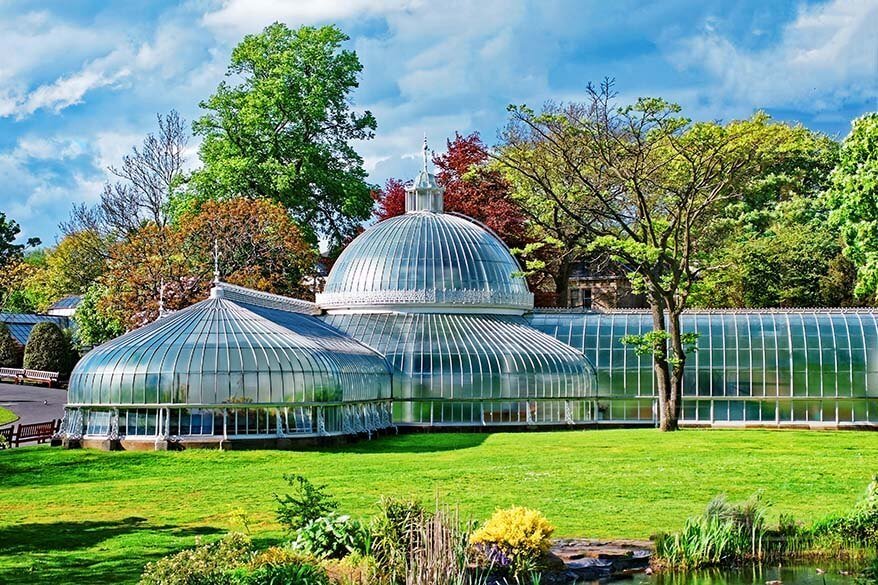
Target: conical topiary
11,352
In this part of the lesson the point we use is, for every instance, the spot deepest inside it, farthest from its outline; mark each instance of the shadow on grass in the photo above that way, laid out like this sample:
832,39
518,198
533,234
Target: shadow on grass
413,443
88,551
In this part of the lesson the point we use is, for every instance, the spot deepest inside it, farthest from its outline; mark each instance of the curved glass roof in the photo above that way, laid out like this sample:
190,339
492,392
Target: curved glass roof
470,357
426,259
227,350
775,366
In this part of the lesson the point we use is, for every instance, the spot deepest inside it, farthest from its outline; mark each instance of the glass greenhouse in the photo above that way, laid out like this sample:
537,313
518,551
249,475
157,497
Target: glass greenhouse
761,367
425,320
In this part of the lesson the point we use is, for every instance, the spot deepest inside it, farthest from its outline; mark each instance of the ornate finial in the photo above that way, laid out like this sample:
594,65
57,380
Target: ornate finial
216,273
425,152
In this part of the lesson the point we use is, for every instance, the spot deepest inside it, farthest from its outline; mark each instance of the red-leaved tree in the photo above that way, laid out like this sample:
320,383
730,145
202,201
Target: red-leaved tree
470,189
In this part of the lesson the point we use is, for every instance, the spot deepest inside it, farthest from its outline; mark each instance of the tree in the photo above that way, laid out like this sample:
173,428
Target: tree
11,352
390,200
25,287
96,324
781,250
853,198
76,263
147,266
9,251
48,349
645,185
149,176
259,246
285,131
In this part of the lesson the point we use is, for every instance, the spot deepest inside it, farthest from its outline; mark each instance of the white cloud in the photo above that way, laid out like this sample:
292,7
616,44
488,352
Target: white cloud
827,55
243,16
69,90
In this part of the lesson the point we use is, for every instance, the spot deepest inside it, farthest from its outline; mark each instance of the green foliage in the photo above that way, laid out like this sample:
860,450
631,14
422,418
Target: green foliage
726,534
285,131
32,298
9,251
655,343
857,528
49,349
306,504
11,352
392,530
207,564
853,198
869,575
93,325
332,535
288,574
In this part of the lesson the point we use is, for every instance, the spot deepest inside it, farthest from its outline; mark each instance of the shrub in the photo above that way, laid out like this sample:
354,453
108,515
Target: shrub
307,504
300,573
858,528
276,556
392,530
726,534
11,352
515,539
332,535
354,569
48,349
207,564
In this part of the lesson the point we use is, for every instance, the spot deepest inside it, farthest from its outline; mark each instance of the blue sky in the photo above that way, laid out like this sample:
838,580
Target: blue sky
81,82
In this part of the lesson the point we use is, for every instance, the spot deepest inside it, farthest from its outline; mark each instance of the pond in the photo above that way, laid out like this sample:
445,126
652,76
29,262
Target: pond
836,573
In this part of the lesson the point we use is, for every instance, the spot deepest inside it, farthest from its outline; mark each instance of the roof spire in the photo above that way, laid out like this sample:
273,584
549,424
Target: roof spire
424,194
216,272
425,151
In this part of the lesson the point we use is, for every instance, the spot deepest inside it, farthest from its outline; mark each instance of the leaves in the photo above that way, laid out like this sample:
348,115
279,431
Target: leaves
285,130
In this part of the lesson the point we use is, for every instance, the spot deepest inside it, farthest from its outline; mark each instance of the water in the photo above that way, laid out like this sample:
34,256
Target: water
836,574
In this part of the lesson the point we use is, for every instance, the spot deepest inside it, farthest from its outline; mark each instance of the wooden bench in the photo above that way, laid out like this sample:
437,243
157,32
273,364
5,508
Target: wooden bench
12,374
33,432
40,376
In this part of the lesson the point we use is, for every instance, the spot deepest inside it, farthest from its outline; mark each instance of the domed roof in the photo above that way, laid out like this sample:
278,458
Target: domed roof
237,346
427,261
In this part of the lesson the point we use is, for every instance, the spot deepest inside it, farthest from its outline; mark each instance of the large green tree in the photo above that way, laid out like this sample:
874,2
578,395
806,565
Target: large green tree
646,185
284,130
853,197
780,249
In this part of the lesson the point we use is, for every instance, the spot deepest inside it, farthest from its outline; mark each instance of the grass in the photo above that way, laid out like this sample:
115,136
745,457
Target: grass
89,516
7,416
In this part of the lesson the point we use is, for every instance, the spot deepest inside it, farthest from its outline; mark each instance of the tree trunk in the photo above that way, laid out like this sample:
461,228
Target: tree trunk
562,283
677,363
661,366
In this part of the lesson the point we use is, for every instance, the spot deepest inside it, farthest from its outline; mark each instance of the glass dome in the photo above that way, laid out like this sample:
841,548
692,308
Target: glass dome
424,260
255,351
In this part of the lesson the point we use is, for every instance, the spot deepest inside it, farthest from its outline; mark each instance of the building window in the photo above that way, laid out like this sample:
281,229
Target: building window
580,297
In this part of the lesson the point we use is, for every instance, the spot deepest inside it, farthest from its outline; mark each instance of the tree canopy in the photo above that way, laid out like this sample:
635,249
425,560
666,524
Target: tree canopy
284,130
853,197
646,185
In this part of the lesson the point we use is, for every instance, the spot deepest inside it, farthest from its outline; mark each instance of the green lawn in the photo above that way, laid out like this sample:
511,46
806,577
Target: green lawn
7,416
88,516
